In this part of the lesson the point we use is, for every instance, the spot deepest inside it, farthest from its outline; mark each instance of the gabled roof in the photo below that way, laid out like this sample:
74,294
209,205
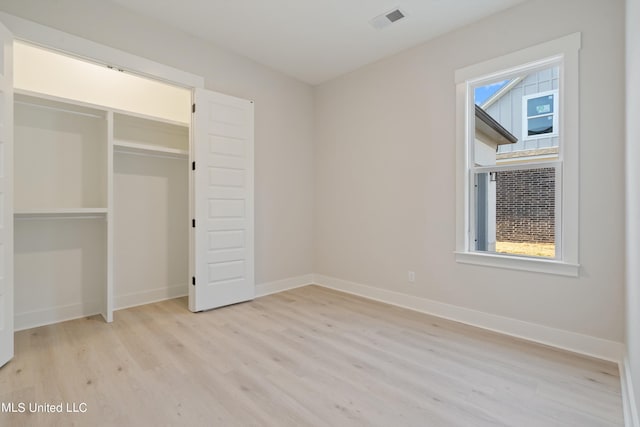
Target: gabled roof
499,94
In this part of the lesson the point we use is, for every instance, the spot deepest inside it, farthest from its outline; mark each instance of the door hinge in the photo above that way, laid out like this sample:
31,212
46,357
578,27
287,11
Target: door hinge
193,108
193,280
193,223
193,166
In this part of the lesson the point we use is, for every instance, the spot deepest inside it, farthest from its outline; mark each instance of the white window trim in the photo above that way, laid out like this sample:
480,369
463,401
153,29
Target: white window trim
526,116
565,49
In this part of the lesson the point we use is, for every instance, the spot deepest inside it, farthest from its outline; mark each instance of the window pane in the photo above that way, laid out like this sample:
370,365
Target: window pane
540,125
540,105
515,212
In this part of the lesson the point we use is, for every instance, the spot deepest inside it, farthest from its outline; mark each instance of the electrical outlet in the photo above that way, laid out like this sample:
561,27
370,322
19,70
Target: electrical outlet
412,276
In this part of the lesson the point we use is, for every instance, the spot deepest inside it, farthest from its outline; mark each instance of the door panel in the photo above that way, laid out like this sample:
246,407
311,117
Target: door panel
6,195
223,201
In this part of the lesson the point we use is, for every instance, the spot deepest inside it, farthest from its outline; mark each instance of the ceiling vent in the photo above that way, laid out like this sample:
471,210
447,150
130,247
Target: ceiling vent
386,19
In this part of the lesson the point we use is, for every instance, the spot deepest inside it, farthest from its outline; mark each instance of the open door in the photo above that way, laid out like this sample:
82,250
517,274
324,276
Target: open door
222,147
6,195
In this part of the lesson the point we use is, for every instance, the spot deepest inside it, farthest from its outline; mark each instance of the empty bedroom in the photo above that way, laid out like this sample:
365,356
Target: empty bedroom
320,213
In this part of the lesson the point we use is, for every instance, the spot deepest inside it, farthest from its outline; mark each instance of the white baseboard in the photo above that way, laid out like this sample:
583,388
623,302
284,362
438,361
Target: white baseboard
35,318
268,288
150,296
628,395
572,341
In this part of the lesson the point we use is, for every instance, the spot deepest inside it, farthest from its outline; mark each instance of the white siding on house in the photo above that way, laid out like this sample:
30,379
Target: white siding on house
507,110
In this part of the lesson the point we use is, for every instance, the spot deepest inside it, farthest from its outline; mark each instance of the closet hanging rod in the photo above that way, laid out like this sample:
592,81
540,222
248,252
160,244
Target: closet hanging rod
149,153
63,110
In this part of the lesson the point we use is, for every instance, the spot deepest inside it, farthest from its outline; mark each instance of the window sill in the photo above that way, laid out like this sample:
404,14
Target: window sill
536,265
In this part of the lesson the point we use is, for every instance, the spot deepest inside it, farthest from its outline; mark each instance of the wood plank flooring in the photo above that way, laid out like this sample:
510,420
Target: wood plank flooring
305,357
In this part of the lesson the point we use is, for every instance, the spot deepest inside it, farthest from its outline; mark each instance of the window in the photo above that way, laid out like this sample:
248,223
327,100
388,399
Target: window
541,118
520,210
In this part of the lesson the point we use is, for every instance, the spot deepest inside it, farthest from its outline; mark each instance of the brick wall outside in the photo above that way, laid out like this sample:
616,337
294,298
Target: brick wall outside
525,206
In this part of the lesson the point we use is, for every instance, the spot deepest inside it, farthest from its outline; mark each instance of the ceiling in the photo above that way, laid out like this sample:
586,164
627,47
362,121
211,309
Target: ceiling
315,40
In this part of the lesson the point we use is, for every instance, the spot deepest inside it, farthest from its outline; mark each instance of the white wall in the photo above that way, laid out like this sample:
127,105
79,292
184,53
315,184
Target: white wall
633,196
151,233
123,91
385,180
283,117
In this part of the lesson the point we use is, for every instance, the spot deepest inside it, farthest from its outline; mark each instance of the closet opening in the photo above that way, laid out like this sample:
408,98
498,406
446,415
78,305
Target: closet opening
101,188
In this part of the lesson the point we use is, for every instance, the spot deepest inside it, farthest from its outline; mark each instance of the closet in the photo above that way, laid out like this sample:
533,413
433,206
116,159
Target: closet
151,210
122,194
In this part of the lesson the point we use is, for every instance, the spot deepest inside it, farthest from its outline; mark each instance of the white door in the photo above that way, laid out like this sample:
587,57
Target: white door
223,201
6,195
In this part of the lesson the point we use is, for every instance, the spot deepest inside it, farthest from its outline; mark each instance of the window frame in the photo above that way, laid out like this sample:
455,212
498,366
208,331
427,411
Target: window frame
563,52
526,116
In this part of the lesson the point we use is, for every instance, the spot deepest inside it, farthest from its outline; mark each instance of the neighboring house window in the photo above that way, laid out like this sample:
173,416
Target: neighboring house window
519,213
540,115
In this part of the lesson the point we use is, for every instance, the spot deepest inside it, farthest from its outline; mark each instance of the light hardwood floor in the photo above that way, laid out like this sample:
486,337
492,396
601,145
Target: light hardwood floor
309,356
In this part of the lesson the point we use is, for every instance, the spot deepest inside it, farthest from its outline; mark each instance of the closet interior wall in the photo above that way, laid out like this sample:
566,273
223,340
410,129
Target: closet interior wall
101,189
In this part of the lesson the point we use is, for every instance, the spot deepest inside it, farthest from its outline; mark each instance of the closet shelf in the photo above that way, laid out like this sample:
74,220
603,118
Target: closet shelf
138,148
60,213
